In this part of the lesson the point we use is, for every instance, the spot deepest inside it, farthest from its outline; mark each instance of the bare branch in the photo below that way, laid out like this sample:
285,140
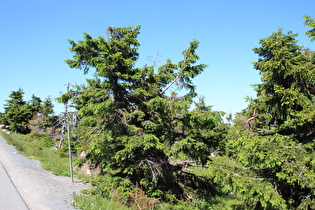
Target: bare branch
165,89
176,78
255,115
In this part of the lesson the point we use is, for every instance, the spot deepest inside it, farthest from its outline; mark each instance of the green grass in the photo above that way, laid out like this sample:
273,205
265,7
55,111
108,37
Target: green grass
97,202
40,147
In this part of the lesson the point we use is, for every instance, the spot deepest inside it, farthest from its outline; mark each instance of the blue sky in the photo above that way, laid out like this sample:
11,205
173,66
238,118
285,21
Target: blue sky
34,40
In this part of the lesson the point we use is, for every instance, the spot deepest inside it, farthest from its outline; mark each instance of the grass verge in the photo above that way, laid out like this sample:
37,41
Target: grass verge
97,202
40,147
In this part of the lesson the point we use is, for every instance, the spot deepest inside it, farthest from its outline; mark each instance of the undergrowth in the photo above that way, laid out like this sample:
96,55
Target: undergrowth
108,192
97,202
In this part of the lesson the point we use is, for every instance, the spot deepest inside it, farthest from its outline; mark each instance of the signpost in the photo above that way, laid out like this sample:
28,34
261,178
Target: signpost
67,121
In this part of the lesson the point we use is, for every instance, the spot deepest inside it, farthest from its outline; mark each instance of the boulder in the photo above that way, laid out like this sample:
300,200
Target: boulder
89,169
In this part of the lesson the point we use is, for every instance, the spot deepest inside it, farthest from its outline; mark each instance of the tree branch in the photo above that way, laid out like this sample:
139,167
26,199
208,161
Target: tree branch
165,89
255,115
176,78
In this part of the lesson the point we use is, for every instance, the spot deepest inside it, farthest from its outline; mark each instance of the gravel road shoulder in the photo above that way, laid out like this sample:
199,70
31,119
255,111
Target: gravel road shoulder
39,188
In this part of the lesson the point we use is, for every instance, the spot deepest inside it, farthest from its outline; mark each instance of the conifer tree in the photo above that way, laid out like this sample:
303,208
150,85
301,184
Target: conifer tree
129,123
276,155
310,22
35,104
162,144
47,107
286,93
17,112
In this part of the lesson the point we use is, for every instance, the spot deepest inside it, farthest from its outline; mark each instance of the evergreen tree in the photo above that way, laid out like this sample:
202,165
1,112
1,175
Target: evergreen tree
47,108
35,104
287,91
17,112
310,22
276,160
127,121
173,148
2,120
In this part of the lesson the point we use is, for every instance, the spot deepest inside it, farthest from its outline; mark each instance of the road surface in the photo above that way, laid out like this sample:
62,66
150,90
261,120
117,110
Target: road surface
28,186
10,198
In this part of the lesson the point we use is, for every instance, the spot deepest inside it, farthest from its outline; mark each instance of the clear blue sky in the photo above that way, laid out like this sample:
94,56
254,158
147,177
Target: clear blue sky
34,34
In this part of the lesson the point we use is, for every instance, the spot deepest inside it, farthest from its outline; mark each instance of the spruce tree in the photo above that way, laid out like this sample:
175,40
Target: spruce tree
128,120
287,91
17,112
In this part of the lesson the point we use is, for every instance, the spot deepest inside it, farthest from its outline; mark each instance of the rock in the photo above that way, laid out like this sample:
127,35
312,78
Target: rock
82,156
89,169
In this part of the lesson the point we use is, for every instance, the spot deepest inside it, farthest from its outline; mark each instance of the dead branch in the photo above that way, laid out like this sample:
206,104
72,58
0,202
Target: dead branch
296,147
120,114
183,164
165,89
249,127
176,78
155,169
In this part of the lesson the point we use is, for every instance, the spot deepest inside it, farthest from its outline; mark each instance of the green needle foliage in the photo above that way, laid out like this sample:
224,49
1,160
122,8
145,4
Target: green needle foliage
17,112
310,22
155,144
128,122
285,97
277,151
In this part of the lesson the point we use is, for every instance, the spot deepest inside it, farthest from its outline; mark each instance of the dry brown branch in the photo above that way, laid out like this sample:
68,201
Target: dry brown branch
155,169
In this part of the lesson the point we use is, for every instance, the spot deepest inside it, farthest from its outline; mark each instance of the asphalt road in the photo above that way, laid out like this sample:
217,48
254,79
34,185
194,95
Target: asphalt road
25,185
10,197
